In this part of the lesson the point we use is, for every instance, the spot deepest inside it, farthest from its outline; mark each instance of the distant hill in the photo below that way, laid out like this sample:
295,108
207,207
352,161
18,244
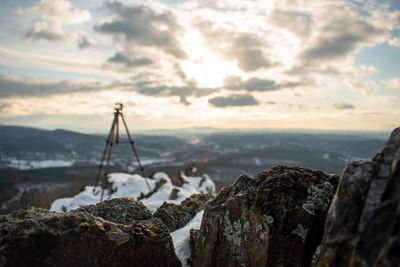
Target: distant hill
224,154
16,139
22,140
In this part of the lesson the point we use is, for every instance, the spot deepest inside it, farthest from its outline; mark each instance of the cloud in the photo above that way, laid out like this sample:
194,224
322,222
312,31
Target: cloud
85,42
298,23
59,12
44,32
246,49
140,25
23,86
149,88
344,69
343,105
361,86
120,58
342,32
248,56
394,42
394,83
261,40
250,59
5,106
256,84
236,100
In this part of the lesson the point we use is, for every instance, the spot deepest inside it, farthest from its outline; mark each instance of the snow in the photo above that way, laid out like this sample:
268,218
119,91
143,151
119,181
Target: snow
27,165
150,161
181,238
127,185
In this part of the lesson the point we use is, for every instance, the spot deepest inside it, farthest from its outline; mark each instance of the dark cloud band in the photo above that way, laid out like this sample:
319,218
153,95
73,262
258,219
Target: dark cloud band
14,86
237,100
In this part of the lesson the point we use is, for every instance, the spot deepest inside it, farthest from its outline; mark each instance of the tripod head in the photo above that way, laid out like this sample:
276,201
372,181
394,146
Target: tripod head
118,107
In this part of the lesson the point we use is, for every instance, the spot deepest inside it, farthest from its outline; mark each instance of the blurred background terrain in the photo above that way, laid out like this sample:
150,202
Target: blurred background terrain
38,166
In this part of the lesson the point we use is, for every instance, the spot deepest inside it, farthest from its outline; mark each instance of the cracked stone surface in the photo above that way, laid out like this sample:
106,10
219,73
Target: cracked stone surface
275,219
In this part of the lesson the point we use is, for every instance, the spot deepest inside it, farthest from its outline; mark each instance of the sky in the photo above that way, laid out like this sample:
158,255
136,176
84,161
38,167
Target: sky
249,64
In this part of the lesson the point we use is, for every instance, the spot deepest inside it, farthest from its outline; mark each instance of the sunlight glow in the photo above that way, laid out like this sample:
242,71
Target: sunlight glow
204,66
211,71
194,45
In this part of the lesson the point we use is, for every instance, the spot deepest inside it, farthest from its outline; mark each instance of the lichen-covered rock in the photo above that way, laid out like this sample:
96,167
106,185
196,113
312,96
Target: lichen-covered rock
38,237
118,210
363,223
177,216
275,219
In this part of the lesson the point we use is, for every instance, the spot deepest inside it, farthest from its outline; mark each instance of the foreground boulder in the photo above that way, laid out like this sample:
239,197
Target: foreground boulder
363,224
275,219
127,235
176,216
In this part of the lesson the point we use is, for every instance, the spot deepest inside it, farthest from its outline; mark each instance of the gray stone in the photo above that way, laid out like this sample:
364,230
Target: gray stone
275,219
118,210
363,223
177,216
38,237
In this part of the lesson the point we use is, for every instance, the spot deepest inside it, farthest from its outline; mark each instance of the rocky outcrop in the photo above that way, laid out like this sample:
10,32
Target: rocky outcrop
126,235
118,210
275,219
363,224
177,216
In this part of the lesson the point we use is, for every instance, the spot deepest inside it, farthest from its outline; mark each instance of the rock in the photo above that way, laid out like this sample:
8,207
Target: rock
158,185
275,219
38,237
177,179
118,210
174,193
191,170
177,216
363,223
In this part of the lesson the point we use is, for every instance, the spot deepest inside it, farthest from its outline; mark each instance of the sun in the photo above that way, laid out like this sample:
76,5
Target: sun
210,71
206,67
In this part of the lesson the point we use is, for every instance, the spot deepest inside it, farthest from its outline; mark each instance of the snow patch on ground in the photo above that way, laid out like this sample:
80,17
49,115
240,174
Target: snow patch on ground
181,238
127,185
28,165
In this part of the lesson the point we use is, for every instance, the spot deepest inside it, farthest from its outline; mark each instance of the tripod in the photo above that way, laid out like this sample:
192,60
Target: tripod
113,137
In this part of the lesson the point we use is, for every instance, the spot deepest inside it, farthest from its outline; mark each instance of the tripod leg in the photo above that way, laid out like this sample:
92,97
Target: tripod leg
104,154
117,135
107,168
134,151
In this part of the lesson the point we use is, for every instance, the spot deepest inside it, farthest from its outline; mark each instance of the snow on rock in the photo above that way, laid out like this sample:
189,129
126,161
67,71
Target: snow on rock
127,185
181,238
